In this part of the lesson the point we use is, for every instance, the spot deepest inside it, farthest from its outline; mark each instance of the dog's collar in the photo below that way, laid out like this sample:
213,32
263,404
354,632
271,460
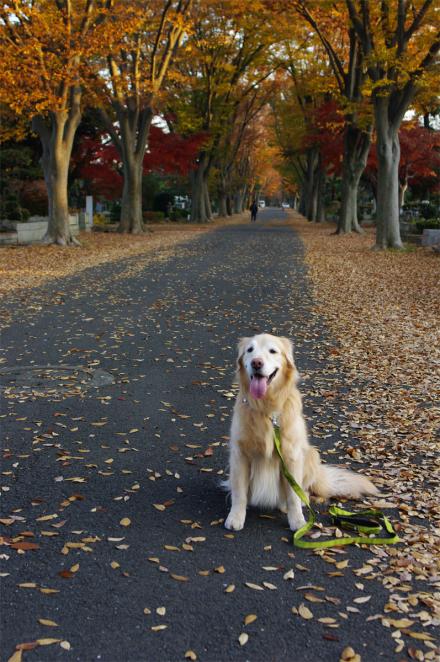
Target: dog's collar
274,417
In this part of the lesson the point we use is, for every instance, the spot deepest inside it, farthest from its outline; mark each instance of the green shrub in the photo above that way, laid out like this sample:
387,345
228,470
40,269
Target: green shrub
163,201
115,212
428,211
427,224
11,209
178,214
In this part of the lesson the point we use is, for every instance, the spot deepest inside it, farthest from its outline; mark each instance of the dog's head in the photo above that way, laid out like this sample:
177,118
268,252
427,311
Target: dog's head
265,362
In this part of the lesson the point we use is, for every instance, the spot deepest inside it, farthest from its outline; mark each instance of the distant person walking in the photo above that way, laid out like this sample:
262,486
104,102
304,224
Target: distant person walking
254,211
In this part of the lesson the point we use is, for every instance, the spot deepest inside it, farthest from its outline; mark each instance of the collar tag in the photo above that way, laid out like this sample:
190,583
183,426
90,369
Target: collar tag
275,420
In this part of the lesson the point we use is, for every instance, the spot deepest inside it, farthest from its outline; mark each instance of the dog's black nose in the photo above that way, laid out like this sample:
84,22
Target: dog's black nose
257,364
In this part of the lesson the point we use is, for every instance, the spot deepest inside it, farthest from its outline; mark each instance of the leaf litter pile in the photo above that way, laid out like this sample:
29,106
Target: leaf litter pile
384,311
113,541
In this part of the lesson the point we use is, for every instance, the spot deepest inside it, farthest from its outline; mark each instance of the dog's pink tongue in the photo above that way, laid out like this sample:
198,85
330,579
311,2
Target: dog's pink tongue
258,387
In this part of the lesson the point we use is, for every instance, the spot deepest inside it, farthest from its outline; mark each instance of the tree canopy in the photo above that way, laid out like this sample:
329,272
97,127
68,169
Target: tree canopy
321,86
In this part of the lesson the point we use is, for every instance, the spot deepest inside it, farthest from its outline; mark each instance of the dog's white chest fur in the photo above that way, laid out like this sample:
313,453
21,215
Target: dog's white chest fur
265,483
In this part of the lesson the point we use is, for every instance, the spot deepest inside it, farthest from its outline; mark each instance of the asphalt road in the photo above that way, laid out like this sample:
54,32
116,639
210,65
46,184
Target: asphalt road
149,451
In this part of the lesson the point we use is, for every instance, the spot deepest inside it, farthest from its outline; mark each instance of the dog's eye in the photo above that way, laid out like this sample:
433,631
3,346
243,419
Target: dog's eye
273,351
250,349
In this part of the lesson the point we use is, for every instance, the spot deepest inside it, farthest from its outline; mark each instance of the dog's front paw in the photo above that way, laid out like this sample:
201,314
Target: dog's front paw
296,521
235,520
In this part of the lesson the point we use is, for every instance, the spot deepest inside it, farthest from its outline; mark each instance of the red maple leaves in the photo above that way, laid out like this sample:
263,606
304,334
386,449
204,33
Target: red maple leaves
98,161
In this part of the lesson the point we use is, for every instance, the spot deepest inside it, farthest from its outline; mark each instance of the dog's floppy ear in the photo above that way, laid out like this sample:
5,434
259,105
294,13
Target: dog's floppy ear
241,350
288,351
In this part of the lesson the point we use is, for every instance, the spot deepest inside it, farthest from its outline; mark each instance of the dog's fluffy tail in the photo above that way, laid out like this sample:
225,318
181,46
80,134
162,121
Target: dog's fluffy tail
327,480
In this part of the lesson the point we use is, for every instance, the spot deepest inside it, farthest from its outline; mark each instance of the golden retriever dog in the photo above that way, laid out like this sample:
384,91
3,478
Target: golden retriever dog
268,377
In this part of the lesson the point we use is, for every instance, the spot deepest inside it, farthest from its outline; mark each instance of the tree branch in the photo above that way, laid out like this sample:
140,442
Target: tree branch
335,61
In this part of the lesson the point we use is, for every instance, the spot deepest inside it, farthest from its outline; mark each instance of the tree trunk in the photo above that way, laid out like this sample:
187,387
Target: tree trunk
229,204
403,186
302,207
320,207
198,193
388,156
356,148
130,139
237,202
131,207
222,210
208,207
311,191
57,133
243,199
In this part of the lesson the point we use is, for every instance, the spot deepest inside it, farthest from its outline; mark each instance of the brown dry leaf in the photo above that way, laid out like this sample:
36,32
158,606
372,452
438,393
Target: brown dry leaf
48,622
311,597
24,546
158,628
27,646
250,618
230,588
48,641
348,654
190,655
398,623
255,587
304,612
179,578
423,636
220,569
161,611
17,656
125,521
45,518
74,568
362,599
159,506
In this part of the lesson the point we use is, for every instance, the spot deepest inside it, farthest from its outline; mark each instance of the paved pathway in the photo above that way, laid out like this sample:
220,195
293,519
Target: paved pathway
149,451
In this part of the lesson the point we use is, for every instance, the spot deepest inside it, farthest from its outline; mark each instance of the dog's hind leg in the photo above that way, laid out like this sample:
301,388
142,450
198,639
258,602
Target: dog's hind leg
239,484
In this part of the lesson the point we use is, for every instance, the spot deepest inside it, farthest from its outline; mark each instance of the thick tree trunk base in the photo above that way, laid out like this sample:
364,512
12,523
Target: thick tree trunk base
357,229
393,246
125,230
59,240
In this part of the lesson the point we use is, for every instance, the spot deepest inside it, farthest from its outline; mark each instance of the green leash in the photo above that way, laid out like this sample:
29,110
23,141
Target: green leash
370,521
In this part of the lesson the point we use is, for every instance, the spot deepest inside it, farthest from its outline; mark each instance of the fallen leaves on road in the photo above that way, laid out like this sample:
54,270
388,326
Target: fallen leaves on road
29,266
383,312
22,267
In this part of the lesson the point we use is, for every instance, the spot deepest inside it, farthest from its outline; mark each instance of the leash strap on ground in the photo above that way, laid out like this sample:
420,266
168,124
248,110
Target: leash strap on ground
366,522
